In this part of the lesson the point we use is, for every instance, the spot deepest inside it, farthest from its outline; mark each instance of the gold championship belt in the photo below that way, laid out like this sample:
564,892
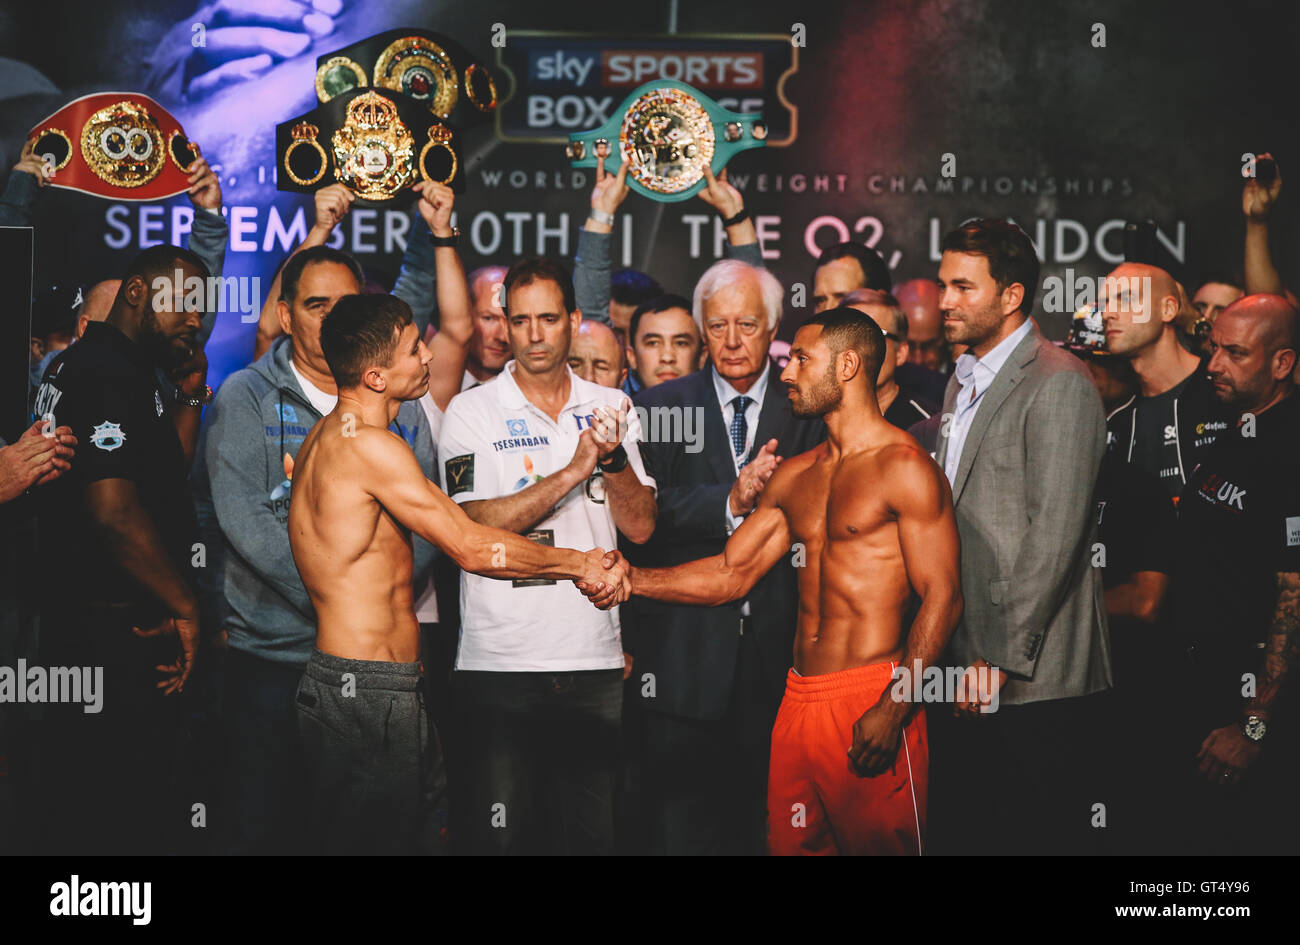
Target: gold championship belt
375,142
429,67
119,145
668,133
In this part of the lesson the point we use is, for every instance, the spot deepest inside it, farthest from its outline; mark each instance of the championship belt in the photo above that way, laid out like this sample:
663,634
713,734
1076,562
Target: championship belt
375,142
118,145
429,67
667,132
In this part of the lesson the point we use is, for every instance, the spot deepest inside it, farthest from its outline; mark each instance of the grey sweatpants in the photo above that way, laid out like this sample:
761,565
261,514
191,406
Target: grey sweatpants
372,762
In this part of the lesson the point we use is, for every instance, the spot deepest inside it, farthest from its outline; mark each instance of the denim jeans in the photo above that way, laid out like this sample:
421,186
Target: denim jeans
540,756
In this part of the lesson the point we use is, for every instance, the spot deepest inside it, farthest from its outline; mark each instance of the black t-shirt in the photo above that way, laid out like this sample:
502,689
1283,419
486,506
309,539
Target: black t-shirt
1172,431
1135,521
106,389
909,407
1238,526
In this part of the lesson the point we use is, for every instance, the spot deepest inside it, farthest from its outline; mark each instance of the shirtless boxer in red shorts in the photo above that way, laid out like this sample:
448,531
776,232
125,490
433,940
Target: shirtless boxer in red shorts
873,514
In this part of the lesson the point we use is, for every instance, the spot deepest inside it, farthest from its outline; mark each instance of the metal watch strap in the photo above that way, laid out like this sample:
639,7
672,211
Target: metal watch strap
601,216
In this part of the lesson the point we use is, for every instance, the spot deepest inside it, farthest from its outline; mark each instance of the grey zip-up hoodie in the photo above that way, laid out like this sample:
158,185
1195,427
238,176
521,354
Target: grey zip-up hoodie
259,416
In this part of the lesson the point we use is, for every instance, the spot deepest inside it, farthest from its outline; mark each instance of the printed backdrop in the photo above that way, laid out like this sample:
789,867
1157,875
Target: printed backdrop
1042,123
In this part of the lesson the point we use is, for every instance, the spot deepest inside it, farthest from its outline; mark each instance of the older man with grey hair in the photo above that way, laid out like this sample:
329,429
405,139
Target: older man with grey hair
710,679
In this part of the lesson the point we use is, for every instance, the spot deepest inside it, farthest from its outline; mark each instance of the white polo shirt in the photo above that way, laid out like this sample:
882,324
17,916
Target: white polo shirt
494,443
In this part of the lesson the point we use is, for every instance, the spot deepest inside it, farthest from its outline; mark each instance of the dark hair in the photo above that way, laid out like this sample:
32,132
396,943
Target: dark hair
359,332
1222,278
875,274
844,328
161,260
292,272
884,300
660,303
1007,248
630,287
528,271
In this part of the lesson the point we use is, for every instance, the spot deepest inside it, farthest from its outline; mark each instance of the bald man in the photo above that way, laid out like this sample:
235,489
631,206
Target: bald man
901,404
919,299
929,355
1174,418
97,303
596,355
1235,590
489,347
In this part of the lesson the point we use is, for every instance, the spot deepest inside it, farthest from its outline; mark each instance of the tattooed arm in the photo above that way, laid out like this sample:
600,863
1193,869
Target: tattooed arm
1226,752
1283,648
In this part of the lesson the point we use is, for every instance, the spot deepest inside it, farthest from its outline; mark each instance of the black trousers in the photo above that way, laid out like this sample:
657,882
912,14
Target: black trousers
705,780
109,779
1025,779
264,787
538,757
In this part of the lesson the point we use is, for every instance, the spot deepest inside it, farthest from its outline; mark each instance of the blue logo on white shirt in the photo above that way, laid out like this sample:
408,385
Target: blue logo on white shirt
517,427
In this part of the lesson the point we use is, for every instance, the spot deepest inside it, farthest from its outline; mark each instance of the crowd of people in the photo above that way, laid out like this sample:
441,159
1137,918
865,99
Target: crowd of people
538,560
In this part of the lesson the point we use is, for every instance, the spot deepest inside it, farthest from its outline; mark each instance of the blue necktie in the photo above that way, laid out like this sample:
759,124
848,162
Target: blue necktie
739,428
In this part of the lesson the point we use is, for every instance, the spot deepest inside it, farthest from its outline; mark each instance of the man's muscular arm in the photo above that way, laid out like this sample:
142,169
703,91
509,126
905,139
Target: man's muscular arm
750,552
927,536
396,481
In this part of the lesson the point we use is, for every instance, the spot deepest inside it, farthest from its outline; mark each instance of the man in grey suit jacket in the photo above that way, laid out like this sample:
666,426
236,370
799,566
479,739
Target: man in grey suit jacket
1022,441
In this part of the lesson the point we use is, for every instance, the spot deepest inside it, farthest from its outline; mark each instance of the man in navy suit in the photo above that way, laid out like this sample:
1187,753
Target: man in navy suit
711,678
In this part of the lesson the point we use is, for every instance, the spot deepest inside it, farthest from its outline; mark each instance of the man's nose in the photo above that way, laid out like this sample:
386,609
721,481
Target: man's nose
733,335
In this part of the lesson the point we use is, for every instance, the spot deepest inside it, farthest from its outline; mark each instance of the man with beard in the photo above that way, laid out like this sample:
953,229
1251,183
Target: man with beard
122,522
866,550
1022,452
1235,591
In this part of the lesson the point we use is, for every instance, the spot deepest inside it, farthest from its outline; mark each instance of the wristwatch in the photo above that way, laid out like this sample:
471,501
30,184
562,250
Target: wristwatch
602,216
446,240
615,461
185,400
1254,728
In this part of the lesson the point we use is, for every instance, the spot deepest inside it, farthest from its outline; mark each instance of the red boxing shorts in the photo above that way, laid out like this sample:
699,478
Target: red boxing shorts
816,803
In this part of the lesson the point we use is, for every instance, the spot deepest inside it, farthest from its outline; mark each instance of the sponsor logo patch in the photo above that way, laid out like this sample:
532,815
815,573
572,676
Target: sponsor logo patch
460,474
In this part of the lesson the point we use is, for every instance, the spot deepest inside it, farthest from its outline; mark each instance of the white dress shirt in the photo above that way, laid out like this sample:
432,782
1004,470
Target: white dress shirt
976,376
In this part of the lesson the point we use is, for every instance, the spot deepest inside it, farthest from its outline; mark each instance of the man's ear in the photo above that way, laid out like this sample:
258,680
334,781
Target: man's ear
630,358
1284,362
284,315
135,289
375,380
1169,308
849,364
1013,296
904,349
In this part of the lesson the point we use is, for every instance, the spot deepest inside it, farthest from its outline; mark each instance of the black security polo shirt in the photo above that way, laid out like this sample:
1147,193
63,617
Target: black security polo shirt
106,389
1238,526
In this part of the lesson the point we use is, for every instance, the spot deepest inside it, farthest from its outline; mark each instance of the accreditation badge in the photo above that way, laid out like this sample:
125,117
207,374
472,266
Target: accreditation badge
668,132
116,145
375,142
